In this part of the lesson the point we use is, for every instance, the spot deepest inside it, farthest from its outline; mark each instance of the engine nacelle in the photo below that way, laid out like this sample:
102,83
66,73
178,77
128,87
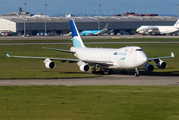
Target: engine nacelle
149,67
84,67
49,63
161,64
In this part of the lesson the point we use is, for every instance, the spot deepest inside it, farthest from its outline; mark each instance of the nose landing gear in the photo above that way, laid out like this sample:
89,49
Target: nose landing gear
137,74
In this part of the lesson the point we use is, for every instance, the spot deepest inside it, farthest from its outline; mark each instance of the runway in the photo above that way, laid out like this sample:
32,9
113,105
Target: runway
105,80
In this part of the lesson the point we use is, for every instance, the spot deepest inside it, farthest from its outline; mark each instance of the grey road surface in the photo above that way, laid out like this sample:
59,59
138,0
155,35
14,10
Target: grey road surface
83,37
105,80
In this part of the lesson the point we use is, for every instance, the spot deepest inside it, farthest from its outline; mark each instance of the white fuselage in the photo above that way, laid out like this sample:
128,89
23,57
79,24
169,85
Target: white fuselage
123,58
160,30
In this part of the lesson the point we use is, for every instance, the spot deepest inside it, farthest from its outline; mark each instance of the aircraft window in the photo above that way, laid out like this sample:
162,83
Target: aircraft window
138,50
115,53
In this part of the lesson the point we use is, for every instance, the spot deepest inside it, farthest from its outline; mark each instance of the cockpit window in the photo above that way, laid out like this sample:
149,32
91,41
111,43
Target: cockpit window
138,50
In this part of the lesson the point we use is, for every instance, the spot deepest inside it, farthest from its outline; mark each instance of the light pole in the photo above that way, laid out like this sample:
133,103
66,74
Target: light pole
24,19
178,11
45,21
98,17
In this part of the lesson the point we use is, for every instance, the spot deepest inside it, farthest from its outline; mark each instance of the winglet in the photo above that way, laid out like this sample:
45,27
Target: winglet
172,54
7,54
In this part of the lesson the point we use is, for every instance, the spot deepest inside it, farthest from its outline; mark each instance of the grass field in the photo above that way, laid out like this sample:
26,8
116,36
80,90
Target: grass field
89,103
20,68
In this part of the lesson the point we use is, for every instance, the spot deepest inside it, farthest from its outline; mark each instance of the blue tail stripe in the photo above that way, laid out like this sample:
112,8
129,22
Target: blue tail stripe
73,29
76,43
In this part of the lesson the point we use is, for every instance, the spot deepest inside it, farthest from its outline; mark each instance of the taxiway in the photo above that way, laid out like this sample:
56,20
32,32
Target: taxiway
105,80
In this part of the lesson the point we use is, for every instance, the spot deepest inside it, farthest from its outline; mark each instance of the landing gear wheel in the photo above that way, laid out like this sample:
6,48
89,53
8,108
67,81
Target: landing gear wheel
137,75
111,72
101,72
94,72
98,72
137,72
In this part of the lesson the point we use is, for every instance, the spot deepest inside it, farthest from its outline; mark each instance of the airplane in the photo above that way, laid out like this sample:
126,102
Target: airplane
103,59
95,32
68,34
158,29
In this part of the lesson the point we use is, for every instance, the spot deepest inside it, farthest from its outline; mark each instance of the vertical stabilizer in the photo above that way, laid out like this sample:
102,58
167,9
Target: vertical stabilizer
106,27
77,41
177,24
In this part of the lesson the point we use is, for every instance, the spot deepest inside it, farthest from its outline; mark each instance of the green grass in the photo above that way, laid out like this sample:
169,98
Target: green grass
20,68
84,102
89,102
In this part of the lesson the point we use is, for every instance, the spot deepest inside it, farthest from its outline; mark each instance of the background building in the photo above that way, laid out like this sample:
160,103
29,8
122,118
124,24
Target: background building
34,24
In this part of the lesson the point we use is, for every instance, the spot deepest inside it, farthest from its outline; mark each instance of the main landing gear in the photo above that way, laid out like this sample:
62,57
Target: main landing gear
137,74
102,72
99,70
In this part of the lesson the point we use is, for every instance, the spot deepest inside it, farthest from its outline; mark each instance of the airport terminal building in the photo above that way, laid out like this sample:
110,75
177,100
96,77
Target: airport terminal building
34,24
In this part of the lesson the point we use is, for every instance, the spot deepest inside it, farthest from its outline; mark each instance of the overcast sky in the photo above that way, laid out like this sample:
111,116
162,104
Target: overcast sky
90,7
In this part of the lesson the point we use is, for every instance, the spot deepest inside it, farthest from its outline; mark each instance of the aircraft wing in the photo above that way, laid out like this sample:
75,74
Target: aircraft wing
62,50
65,59
43,58
172,55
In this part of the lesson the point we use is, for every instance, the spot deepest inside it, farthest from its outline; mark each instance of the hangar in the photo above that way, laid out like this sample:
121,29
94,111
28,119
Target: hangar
60,25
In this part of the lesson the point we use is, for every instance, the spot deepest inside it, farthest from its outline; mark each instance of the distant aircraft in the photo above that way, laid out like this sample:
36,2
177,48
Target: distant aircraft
95,32
159,29
103,59
68,34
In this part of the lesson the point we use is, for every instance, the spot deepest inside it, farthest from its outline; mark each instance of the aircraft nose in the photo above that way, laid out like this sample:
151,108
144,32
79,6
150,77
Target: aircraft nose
141,59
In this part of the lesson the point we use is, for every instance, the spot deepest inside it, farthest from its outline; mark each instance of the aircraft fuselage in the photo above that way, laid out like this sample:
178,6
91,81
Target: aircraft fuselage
126,57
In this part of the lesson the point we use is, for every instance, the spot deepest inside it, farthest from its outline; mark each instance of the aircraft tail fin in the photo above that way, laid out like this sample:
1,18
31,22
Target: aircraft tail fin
77,41
106,27
177,24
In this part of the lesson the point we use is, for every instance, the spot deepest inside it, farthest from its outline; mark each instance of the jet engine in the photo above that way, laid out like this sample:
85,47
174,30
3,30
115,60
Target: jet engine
161,64
49,63
84,67
149,67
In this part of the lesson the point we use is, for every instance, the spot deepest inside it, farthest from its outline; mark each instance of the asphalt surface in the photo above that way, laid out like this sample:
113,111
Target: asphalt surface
105,80
83,37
